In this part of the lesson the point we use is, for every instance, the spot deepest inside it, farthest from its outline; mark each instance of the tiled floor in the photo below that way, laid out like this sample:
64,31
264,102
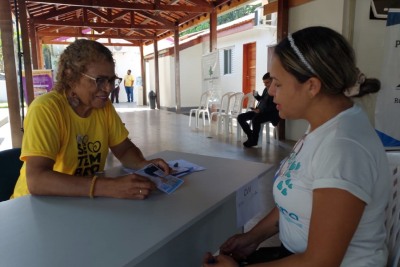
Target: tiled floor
157,130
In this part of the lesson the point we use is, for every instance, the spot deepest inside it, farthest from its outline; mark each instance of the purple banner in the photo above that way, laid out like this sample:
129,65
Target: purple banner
42,82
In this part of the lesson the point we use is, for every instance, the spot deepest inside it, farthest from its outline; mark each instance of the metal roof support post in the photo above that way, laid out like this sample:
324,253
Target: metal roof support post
157,73
213,31
26,51
177,71
143,65
34,45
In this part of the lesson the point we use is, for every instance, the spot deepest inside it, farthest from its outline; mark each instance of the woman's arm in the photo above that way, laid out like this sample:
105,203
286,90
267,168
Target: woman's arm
267,227
336,214
241,245
131,156
42,180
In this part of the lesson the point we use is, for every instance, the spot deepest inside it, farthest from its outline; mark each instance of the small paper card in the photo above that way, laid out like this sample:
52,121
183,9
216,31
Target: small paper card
247,202
182,167
166,183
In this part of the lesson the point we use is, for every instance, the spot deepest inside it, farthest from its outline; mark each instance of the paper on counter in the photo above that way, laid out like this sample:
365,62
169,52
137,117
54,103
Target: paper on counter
182,167
166,183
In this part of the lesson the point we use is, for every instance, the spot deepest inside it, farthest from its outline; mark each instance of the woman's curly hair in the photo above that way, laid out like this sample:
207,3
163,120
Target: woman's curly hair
75,59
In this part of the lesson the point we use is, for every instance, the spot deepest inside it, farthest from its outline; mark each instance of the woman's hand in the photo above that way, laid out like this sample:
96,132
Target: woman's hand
130,186
218,261
160,163
239,246
131,157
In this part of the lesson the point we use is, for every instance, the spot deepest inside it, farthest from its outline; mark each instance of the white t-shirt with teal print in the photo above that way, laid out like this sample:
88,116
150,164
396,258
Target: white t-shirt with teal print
343,153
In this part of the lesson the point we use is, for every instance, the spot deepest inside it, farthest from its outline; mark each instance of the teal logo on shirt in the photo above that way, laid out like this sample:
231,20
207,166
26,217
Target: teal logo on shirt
294,166
283,186
286,170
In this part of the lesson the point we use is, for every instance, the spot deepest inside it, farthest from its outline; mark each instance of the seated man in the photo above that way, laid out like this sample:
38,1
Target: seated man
264,112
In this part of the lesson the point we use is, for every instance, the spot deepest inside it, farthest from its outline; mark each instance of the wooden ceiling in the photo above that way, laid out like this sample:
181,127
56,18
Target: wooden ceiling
140,22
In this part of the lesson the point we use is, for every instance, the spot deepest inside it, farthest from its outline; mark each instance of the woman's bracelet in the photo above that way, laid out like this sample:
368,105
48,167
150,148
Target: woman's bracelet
92,186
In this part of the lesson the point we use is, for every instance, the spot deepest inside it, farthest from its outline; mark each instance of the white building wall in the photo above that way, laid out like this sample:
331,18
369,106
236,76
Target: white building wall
263,37
150,76
315,13
166,65
191,67
3,91
191,76
368,38
166,72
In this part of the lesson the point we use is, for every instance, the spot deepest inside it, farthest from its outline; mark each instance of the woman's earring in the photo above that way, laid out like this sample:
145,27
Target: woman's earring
73,101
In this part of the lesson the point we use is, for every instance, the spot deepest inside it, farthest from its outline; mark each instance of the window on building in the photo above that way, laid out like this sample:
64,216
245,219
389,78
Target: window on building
227,61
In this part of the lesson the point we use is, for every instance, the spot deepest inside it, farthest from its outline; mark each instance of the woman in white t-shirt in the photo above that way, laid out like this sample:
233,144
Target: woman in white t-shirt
332,190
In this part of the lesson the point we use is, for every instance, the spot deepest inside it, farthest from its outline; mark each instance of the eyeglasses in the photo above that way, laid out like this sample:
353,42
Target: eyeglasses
101,82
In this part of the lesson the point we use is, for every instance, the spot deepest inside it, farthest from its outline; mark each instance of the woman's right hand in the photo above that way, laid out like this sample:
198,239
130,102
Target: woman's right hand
239,246
131,186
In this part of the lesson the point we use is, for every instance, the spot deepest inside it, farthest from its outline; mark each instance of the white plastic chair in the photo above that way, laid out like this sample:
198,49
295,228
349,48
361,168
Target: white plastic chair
202,110
268,137
251,102
234,109
393,212
222,110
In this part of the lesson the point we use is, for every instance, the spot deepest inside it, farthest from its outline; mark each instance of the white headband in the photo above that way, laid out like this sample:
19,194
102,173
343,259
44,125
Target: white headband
299,54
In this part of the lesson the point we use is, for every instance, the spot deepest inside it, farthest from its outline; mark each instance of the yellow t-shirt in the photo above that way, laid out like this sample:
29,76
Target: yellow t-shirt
128,80
78,146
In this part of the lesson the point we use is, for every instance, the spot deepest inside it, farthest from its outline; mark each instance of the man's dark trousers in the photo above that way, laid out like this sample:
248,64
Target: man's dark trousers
256,120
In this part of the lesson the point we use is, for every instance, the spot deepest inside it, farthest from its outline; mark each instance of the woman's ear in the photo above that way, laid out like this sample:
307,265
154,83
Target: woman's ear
314,86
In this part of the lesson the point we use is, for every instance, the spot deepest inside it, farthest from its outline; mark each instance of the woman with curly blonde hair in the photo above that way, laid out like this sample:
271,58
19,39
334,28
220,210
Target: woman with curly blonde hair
69,131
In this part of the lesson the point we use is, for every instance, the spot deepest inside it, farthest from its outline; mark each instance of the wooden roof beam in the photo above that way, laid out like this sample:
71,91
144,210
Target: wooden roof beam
57,12
273,6
106,44
100,25
201,3
119,14
117,36
155,18
100,14
125,5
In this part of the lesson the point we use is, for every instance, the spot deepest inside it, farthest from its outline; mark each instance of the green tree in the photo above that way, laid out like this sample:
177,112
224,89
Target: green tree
15,48
228,17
